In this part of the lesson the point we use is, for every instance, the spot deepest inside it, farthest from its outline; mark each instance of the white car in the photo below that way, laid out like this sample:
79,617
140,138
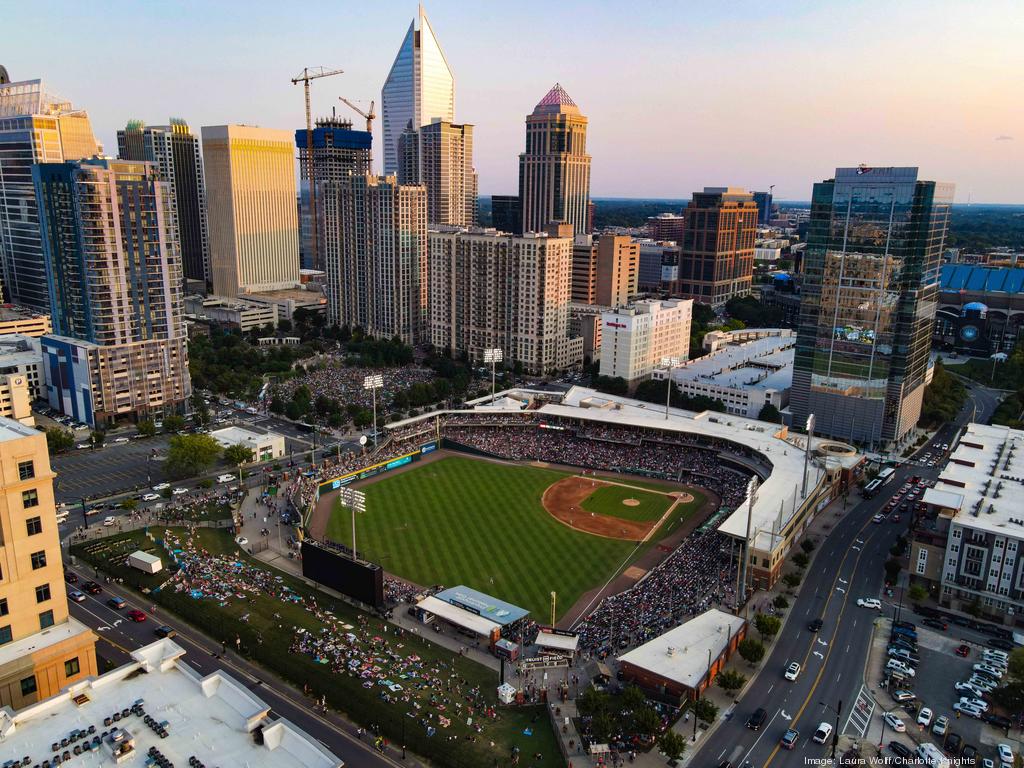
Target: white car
970,688
976,703
980,683
151,497
225,478
894,722
924,717
81,446
988,669
179,491
1005,754
161,486
967,709
109,520
792,671
821,735
122,440
940,726
870,602
899,666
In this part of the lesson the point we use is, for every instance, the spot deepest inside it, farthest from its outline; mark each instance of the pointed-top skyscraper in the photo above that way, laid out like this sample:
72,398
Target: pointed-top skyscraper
554,171
420,87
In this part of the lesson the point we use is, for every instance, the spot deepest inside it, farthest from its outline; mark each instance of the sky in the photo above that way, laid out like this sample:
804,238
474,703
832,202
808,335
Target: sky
680,95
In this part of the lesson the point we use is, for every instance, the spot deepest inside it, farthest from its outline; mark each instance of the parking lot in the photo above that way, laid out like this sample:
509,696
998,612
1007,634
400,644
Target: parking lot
114,468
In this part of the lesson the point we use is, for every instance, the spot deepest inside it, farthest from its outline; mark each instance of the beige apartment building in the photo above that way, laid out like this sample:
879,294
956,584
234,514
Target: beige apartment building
491,290
439,155
605,270
23,321
253,218
42,649
634,339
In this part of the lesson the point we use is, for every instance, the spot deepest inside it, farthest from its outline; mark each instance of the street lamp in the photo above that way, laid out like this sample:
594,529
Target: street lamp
998,357
835,732
373,382
356,501
493,356
668,363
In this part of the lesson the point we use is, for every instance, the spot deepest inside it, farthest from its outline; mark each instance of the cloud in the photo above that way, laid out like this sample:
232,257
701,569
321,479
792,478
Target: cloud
1004,137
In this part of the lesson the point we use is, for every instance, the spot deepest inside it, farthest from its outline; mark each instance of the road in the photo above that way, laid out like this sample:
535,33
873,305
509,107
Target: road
848,565
119,635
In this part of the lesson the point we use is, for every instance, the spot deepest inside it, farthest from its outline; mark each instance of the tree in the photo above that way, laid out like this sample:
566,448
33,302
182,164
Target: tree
632,698
751,650
730,680
767,626
175,423
593,702
1015,665
792,580
129,504
807,546
190,455
801,560
705,709
780,602
611,385
59,440
770,413
147,428
1010,697
892,570
917,593
646,721
236,455
284,325
97,437
672,745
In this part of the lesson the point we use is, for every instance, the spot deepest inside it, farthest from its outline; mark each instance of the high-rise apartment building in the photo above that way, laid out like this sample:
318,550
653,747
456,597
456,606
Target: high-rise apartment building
420,87
176,153
554,171
338,153
35,127
490,290
634,339
254,226
868,300
506,214
118,346
440,156
584,270
42,648
716,255
376,256
667,227
764,207
605,270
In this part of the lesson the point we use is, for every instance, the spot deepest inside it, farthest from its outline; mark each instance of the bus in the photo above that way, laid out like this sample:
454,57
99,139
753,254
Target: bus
884,477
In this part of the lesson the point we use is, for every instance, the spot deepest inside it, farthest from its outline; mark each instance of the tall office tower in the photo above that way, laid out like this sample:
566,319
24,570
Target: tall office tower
42,648
118,346
250,189
764,207
554,171
490,290
376,256
716,255
867,303
591,211
35,127
584,270
506,214
176,153
440,156
605,270
667,227
420,87
338,153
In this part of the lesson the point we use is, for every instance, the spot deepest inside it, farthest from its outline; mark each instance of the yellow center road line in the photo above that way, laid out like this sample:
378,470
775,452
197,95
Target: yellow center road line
828,653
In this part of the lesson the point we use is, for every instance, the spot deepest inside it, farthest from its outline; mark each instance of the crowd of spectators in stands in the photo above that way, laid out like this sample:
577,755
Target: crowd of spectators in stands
344,383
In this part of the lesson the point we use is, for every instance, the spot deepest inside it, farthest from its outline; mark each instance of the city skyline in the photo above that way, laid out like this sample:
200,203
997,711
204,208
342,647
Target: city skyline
821,95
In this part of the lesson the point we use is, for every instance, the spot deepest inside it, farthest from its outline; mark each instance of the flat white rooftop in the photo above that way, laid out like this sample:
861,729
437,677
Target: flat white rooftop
459,616
986,470
235,435
211,718
681,654
753,365
40,641
14,430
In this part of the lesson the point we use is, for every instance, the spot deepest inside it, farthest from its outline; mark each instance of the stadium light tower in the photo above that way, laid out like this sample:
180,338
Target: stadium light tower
493,356
373,382
668,363
356,501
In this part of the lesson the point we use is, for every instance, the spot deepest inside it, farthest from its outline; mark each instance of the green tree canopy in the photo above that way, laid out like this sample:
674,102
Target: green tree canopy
146,428
190,455
59,440
730,680
672,745
751,650
767,626
238,454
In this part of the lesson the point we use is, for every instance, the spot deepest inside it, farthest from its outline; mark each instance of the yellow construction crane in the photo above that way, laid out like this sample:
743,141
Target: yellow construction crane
308,74
369,117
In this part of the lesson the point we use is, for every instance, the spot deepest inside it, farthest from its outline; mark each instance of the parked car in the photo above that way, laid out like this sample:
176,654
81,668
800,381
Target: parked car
179,491
870,602
161,486
756,720
790,738
109,520
905,625
151,497
901,751
924,717
936,624
821,735
1005,753
940,726
974,701
954,743
1002,644
988,669
877,519
895,665
963,651
894,722
997,721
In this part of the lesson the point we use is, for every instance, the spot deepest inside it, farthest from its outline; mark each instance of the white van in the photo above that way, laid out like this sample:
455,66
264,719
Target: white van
929,754
225,478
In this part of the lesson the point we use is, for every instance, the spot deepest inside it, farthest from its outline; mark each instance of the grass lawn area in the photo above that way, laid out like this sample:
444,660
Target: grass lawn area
274,605
466,521
608,500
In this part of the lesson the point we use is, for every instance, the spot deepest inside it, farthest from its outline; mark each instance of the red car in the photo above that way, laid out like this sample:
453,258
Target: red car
136,615
963,650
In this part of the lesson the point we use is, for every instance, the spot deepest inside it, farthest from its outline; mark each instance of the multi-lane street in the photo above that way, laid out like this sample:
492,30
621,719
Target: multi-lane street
848,565
119,635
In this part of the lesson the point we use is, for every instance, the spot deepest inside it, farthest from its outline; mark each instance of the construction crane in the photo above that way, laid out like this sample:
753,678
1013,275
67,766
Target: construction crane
369,116
308,74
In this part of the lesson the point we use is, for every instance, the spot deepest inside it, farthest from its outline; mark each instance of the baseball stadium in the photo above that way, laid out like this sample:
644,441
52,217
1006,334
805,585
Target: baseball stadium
565,503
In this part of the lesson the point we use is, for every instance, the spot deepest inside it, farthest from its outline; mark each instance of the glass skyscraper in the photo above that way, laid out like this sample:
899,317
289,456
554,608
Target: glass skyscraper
868,300
420,87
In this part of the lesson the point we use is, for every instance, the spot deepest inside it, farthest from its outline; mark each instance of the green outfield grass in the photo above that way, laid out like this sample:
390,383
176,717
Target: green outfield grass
465,521
607,500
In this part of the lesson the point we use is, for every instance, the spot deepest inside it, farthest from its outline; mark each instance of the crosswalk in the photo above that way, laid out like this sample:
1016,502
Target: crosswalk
860,715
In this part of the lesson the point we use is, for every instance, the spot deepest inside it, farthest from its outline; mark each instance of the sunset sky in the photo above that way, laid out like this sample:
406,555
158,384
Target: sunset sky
679,95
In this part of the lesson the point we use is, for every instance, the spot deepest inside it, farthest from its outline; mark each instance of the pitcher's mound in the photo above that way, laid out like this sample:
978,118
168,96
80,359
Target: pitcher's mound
631,502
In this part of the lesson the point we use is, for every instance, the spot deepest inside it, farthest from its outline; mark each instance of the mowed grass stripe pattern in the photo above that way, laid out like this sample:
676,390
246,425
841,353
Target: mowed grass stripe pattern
608,500
467,521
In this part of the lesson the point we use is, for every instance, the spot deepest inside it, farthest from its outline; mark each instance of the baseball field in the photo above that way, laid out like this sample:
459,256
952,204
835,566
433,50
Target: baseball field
490,526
